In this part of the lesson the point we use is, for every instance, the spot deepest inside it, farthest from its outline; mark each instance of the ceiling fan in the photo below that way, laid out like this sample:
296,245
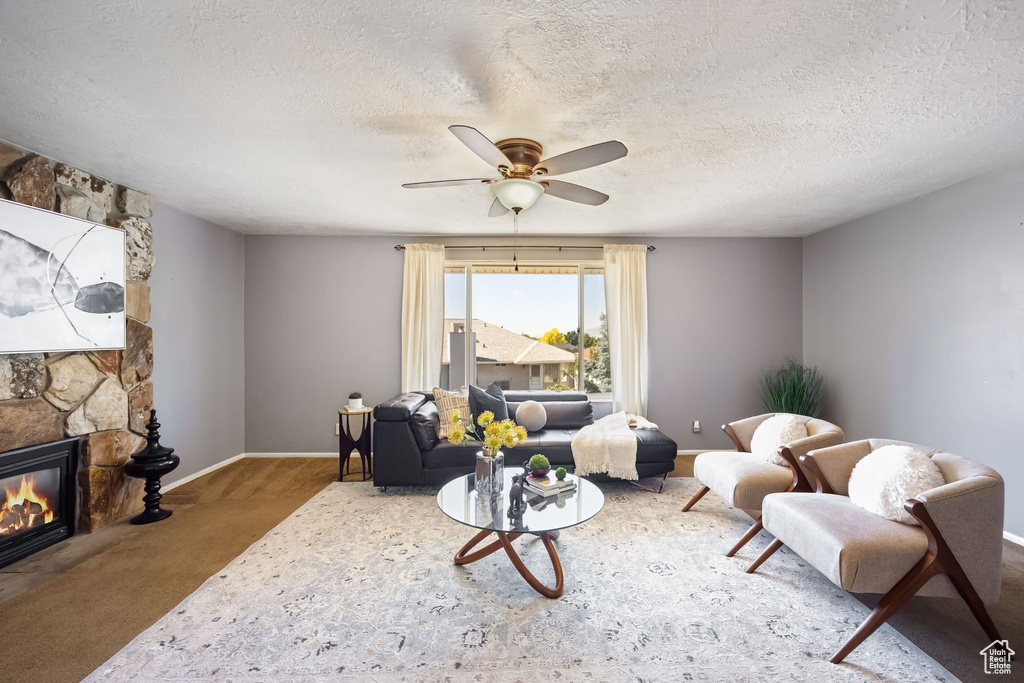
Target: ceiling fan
524,176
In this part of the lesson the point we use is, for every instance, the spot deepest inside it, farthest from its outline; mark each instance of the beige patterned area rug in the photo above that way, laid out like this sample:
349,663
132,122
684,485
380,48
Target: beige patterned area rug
359,585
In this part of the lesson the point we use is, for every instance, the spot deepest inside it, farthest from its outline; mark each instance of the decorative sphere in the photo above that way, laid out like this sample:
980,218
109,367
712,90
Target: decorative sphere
532,416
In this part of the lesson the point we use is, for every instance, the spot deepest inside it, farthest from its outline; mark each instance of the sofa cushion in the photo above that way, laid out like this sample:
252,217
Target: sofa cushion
544,396
742,479
398,409
464,454
555,444
857,550
491,398
654,446
562,414
425,423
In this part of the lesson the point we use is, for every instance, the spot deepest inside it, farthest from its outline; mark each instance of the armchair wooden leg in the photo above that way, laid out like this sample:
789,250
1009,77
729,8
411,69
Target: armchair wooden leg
751,532
966,590
890,603
698,496
768,552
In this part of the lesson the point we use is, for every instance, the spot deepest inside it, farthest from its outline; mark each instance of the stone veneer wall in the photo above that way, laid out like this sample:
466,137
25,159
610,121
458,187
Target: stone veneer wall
104,397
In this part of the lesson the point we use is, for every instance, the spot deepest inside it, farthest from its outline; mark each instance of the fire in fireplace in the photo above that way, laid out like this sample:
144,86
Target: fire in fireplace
27,505
37,498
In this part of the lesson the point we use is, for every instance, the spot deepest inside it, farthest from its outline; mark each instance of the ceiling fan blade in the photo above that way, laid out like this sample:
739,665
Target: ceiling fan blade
574,193
497,209
448,183
579,159
480,145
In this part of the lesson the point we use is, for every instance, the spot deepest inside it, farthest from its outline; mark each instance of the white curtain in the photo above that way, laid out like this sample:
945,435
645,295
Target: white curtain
422,316
625,293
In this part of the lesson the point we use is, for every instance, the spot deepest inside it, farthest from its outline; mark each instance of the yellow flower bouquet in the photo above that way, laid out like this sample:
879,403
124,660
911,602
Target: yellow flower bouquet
494,434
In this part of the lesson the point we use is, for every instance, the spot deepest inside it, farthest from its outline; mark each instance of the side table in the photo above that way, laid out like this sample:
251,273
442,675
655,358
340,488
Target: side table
346,442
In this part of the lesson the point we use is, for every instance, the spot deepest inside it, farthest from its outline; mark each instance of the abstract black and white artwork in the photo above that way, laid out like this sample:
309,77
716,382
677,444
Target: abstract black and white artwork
61,282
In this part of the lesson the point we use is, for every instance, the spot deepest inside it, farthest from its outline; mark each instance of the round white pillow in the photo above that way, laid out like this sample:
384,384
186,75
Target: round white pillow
774,433
887,477
532,416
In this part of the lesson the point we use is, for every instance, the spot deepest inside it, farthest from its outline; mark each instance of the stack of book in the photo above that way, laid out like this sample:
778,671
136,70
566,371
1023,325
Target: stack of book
549,485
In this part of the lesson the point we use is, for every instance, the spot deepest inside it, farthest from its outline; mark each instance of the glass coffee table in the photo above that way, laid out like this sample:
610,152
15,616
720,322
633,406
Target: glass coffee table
541,516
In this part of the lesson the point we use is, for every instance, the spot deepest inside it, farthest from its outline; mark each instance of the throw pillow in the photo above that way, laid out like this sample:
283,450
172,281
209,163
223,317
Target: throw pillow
774,433
492,398
448,401
532,415
887,477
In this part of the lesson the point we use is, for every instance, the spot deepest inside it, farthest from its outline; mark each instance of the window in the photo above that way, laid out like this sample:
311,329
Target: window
597,375
454,344
538,328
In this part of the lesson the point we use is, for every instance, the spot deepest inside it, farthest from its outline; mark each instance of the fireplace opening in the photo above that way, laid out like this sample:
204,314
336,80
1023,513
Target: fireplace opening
37,498
30,503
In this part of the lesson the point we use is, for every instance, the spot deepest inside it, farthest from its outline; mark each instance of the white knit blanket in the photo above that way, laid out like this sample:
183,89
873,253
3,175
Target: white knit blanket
608,445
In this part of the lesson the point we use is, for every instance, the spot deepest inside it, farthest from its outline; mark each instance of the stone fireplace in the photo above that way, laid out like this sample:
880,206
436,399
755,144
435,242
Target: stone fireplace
102,398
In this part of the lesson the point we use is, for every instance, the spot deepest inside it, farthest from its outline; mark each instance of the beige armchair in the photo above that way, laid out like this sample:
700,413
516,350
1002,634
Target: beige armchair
957,550
744,479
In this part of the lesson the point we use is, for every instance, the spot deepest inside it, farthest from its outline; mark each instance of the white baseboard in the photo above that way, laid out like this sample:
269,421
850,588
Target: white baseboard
202,472
291,455
1013,538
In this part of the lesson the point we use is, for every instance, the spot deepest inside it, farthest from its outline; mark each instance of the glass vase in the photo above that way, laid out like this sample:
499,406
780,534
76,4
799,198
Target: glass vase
490,473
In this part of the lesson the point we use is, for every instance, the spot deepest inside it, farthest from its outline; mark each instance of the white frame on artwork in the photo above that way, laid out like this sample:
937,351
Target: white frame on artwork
42,215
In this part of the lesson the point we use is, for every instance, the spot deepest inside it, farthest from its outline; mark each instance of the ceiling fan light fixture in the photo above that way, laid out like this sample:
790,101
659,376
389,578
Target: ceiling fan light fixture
517,194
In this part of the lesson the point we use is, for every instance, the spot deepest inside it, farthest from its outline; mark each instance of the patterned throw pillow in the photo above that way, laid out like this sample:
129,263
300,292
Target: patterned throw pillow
446,402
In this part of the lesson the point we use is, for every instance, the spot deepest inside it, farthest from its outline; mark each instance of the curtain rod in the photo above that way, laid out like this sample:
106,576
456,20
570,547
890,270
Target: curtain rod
485,247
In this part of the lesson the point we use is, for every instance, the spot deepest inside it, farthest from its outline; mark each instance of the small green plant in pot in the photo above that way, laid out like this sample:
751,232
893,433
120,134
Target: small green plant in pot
539,466
355,401
793,388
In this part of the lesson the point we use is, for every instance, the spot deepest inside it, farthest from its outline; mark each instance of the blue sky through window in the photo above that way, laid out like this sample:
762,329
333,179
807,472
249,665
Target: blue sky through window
527,303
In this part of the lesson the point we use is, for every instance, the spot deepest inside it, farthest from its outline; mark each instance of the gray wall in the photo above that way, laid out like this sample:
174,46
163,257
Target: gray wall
323,317
198,373
720,312
916,315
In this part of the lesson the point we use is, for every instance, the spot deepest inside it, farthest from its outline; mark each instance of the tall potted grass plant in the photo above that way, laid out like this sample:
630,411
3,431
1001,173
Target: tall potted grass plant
793,388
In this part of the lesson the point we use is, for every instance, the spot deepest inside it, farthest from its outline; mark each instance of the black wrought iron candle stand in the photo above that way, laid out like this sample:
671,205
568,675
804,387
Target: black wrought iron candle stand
151,463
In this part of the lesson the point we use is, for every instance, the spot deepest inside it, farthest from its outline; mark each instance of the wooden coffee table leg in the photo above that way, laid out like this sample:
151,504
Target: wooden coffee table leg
462,557
517,562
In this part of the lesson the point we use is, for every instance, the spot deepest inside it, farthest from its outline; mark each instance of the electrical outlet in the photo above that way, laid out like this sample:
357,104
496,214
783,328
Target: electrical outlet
337,429
696,426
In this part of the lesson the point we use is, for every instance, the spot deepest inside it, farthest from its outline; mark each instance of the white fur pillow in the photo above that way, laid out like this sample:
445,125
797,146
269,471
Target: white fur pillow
888,476
775,432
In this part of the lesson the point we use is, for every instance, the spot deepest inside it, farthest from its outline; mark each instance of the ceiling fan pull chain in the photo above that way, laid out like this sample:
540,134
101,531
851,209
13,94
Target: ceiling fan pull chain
515,238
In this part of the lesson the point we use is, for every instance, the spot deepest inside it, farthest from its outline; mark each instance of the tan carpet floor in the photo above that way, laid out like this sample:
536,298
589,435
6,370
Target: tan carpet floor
95,607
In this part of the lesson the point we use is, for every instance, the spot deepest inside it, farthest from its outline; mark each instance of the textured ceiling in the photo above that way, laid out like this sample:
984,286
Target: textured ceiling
778,117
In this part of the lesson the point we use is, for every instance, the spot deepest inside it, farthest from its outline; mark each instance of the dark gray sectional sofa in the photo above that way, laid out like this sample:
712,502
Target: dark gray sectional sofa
407,452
